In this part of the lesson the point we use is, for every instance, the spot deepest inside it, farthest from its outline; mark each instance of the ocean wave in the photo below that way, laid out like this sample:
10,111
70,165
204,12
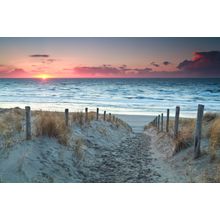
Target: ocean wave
137,95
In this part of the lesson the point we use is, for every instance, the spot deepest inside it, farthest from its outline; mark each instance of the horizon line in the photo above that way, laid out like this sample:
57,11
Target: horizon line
110,78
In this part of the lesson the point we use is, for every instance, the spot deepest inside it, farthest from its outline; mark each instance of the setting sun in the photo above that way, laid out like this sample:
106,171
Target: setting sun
43,76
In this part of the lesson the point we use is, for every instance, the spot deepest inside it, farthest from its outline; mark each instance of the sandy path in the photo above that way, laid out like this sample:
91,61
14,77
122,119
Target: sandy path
128,162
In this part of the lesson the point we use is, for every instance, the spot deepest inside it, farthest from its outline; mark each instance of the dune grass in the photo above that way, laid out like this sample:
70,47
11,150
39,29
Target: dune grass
186,134
11,122
214,140
52,124
79,117
78,147
210,131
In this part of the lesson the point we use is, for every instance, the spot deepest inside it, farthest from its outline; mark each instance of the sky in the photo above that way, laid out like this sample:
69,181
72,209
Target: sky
109,57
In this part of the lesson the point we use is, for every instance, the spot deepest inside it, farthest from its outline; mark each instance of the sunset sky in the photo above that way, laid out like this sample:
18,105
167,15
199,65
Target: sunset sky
109,57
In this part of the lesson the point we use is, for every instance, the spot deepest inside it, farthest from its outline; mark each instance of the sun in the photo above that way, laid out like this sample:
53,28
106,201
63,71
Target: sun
43,76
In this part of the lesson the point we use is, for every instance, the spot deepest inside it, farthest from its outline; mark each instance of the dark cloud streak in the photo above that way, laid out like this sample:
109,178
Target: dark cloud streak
39,55
155,64
166,63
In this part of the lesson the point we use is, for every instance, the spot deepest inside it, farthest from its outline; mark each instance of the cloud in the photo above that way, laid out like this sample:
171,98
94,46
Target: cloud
155,64
5,69
97,70
166,63
39,55
48,61
202,62
142,71
17,71
108,70
51,60
9,71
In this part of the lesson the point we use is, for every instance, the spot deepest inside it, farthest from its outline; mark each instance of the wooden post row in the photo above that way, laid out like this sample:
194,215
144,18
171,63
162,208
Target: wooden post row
198,131
176,126
161,122
28,122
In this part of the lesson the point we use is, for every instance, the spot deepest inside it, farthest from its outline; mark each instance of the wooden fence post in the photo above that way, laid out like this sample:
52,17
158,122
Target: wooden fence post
104,115
176,126
66,116
28,122
161,122
198,132
168,118
113,118
110,118
158,123
86,114
97,114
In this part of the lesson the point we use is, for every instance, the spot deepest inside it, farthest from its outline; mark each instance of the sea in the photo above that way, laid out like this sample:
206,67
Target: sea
118,96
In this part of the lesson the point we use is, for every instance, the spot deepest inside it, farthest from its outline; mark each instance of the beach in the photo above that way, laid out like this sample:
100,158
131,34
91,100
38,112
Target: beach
123,148
100,151
137,122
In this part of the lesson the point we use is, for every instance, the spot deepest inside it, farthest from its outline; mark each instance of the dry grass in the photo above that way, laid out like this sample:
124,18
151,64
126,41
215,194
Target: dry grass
214,141
209,116
79,117
208,121
150,125
78,147
10,123
120,123
52,124
186,134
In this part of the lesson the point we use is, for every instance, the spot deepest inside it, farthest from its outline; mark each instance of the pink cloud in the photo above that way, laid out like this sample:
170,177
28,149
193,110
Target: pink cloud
110,71
202,62
12,72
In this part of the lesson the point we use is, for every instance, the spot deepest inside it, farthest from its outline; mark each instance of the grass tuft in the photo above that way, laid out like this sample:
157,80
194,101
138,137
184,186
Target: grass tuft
186,134
52,124
10,124
214,141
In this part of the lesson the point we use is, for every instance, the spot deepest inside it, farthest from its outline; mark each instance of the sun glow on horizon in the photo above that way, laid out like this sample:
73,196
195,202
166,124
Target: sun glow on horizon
43,76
